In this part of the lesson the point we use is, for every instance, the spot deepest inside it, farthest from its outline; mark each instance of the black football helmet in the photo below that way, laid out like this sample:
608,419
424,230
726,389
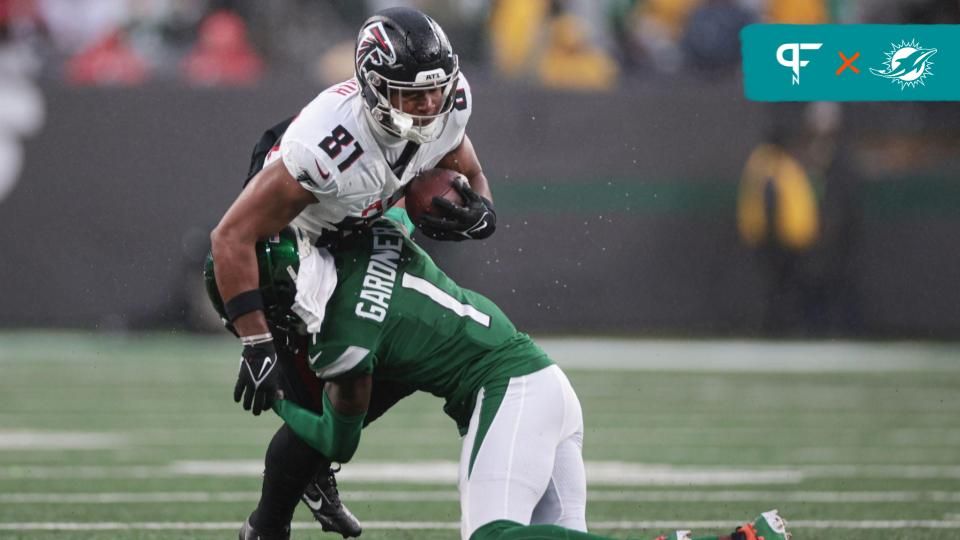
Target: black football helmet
402,50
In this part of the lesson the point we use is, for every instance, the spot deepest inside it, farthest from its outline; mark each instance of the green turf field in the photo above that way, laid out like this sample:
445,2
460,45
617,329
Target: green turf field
112,437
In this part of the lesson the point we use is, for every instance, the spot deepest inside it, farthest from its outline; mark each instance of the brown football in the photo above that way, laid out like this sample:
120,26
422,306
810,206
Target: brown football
427,185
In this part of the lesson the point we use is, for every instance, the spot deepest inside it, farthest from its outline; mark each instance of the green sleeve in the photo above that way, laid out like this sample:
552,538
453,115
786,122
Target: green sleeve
334,358
334,435
400,216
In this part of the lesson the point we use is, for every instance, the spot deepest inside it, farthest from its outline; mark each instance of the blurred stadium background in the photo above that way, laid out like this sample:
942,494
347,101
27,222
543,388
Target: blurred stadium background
757,303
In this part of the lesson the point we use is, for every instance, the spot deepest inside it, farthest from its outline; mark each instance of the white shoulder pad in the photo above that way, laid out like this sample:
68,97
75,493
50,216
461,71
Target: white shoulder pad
317,136
306,165
455,129
462,107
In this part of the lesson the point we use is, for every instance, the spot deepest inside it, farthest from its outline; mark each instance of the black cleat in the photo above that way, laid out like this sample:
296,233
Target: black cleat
247,532
323,499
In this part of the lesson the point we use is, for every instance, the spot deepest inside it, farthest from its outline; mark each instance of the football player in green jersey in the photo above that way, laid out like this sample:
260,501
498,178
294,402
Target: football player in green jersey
395,314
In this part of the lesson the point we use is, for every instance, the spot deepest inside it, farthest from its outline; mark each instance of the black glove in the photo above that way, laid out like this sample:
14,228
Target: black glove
257,382
474,220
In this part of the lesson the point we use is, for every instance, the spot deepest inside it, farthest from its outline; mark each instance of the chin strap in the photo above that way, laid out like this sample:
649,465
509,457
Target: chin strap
424,134
401,164
402,121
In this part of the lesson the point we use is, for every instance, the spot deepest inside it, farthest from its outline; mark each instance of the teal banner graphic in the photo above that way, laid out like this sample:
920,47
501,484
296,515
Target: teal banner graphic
851,62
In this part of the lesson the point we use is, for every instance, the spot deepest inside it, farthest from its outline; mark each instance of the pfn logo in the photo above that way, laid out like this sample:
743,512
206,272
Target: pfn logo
794,62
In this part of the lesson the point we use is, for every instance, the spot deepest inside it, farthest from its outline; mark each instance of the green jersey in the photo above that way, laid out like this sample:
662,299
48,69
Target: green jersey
396,313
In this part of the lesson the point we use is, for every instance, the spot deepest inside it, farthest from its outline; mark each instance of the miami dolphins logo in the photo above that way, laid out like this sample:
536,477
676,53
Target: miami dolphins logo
374,45
907,64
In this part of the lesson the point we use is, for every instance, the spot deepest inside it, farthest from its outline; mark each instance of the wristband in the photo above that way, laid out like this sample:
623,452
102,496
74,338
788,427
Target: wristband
243,303
256,339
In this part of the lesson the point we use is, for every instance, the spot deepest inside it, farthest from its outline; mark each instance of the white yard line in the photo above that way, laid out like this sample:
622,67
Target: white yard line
406,496
426,472
129,497
749,356
610,473
777,497
424,525
59,440
793,524
920,472
578,353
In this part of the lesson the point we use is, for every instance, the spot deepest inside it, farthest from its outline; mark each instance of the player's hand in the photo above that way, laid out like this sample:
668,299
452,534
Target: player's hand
474,220
257,382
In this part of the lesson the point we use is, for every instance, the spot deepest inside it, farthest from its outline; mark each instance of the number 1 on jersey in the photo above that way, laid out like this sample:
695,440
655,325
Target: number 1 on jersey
335,143
443,299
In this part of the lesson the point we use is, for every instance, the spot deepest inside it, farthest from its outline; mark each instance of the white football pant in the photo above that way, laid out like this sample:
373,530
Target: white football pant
529,466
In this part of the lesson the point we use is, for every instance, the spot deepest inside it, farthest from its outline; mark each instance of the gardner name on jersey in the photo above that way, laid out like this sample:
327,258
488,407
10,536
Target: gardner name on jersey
396,313
350,164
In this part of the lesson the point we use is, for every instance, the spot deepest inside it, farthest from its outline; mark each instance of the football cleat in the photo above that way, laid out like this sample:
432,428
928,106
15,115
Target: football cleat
675,535
769,526
323,499
247,532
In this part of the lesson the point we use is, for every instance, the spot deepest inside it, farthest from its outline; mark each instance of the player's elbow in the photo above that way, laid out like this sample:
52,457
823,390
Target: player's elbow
218,242
343,451
215,237
334,436
222,237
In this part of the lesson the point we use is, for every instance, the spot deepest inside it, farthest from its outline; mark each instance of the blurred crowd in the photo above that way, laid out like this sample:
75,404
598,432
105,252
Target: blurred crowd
576,44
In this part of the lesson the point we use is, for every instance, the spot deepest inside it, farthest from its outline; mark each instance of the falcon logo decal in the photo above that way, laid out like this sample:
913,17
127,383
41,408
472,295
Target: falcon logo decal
375,46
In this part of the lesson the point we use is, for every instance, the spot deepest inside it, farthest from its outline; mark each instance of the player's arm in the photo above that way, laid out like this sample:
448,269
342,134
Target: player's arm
476,219
336,432
271,200
464,160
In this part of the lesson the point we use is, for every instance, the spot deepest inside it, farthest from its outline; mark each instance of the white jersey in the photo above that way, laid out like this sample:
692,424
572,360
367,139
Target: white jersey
331,149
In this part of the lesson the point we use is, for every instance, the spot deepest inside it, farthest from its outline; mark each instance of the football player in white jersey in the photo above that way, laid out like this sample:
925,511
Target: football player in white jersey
340,163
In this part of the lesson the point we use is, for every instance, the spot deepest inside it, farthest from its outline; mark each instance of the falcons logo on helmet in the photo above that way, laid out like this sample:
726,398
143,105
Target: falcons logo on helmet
375,46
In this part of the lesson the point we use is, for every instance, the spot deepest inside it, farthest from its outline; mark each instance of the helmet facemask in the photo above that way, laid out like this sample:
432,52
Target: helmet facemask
419,128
